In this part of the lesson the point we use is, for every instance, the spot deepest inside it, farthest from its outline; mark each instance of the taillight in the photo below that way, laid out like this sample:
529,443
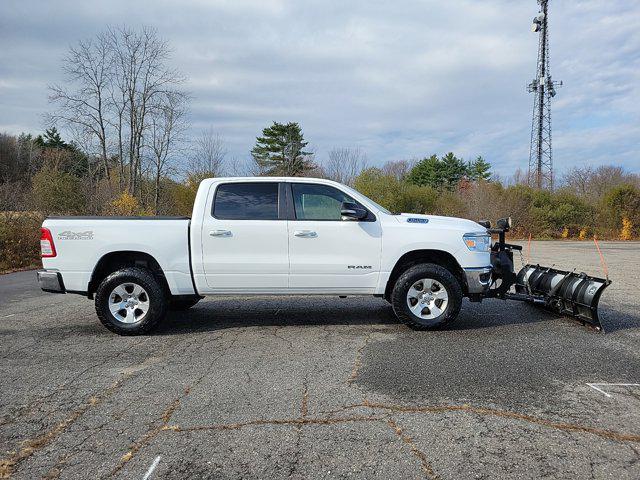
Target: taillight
47,248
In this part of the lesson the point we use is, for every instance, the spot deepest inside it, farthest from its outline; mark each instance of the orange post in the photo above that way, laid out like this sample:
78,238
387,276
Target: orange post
602,262
529,250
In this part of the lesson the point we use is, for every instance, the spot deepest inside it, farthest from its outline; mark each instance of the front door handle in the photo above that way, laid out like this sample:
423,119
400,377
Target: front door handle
305,233
220,233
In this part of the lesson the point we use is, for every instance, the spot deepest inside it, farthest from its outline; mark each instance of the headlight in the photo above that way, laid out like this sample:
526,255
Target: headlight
477,242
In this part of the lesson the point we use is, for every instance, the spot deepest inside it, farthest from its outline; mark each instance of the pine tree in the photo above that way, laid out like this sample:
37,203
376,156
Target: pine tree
280,151
51,139
454,170
444,173
479,169
427,171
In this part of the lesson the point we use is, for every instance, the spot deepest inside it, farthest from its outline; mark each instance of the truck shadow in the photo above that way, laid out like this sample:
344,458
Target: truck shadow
223,313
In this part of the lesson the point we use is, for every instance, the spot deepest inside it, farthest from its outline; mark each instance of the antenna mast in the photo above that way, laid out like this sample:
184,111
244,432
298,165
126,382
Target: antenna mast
544,89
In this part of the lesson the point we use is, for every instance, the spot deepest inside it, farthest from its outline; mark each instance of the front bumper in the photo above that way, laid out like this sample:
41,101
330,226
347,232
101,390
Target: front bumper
50,281
478,279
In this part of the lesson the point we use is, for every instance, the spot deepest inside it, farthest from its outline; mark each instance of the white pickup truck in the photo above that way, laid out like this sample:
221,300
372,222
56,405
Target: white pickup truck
266,236
270,236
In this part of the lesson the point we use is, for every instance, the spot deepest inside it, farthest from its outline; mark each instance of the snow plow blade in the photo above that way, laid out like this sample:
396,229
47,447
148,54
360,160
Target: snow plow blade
567,293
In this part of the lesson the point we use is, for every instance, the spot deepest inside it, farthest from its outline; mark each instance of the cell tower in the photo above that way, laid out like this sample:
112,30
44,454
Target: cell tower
544,89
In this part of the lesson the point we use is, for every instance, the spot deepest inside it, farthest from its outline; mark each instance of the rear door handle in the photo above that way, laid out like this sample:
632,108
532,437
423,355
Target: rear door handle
305,233
220,233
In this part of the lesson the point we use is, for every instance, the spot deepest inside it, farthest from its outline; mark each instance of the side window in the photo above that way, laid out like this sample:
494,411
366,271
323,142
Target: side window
318,202
246,201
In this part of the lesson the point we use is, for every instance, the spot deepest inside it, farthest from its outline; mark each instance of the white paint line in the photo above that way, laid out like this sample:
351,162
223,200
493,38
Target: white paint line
10,315
621,384
151,468
598,389
596,385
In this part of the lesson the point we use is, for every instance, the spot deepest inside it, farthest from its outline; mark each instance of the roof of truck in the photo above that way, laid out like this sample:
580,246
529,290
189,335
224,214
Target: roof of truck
269,179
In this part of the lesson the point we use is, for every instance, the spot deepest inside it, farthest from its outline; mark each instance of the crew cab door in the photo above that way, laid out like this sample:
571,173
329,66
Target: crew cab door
245,239
326,253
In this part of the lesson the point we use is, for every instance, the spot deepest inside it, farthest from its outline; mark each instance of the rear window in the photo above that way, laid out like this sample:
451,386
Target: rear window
246,201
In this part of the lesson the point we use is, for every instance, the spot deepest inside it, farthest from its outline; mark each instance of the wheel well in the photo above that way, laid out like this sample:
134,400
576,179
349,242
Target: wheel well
439,257
114,261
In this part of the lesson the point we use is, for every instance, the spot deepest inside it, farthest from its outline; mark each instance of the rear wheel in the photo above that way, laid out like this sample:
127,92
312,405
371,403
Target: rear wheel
131,301
426,296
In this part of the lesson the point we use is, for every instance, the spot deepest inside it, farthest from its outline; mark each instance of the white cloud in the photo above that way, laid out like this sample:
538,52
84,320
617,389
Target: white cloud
400,79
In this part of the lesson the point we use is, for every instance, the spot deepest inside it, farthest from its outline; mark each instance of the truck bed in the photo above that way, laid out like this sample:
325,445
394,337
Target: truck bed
81,242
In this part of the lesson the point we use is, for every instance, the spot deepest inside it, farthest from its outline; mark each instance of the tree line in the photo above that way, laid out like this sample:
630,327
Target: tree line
46,174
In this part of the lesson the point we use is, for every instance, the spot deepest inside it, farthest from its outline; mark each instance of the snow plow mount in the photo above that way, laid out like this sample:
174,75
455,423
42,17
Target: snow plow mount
564,292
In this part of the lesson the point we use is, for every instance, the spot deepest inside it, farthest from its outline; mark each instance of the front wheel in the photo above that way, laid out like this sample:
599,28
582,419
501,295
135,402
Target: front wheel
131,301
426,296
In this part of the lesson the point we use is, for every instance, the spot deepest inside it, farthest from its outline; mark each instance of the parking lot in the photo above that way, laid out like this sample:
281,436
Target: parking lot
324,387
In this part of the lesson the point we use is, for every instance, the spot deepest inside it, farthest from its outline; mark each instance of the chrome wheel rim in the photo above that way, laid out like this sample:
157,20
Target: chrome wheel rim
129,303
427,299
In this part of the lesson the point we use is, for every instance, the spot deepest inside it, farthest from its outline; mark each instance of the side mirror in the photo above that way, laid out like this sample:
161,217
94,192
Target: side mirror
352,211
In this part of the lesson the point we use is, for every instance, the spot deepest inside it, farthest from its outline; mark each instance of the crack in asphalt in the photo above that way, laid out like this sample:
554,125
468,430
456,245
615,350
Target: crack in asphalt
483,411
427,468
277,421
168,412
330,419
304,410
28,409
386,410
30,446
149,435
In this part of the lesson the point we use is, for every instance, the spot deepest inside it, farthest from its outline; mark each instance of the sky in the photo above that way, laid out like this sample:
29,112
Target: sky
399,80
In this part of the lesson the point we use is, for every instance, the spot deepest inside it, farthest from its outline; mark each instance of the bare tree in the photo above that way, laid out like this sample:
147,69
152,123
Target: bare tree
82,102
116,84
141,78
344,164
239,167
209,154
577,179
398,169
166,128
519,177
593,183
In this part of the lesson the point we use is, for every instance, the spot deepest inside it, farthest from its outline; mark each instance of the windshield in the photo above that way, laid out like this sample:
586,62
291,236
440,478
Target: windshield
378,206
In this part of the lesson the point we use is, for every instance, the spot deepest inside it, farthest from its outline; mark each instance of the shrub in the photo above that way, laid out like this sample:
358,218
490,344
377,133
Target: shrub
379,187
19,240
125,204
183,195
54,191
415,199
552,213
622,202
450,204
627,229
583,233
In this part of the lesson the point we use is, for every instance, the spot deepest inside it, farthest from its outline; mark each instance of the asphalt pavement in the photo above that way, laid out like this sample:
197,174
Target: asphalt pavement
324,387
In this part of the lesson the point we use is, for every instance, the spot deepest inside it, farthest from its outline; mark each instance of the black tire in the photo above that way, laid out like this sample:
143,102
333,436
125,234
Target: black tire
183,303
154,297
416,273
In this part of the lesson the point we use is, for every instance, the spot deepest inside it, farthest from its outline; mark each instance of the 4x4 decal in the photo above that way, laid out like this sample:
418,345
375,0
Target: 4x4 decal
69,235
